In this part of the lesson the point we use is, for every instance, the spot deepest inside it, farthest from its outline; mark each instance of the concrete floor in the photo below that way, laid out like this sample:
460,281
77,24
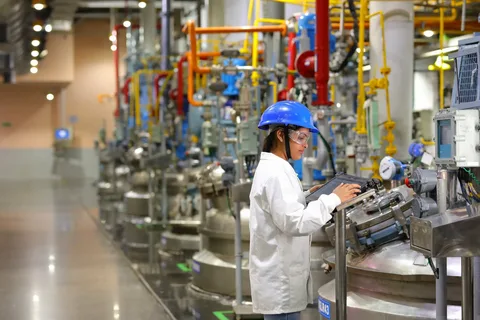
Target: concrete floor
54,262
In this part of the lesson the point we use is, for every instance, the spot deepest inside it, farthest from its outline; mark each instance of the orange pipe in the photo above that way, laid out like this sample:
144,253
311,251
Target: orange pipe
191,73
192,56
193,31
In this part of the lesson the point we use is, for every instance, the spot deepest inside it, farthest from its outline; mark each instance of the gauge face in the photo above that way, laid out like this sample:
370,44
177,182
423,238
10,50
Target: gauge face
387,170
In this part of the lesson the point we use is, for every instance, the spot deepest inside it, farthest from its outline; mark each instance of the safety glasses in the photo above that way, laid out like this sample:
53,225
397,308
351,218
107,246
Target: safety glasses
299,137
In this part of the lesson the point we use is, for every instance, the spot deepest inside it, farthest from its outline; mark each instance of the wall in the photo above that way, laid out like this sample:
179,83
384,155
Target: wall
82,63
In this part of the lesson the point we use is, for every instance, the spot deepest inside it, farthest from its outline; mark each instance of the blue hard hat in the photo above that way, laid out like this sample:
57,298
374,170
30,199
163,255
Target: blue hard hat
287,113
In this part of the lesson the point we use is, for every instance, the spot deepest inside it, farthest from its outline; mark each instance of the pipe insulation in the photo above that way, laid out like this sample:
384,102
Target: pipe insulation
399,38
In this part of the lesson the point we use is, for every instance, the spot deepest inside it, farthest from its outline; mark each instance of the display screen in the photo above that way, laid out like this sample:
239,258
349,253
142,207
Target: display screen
445,139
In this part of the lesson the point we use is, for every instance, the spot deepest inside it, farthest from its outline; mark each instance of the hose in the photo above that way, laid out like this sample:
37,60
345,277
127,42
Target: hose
329,150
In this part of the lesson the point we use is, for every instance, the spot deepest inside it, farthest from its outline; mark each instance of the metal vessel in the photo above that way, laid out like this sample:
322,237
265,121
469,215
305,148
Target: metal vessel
111,187
135,235
386,279
181,239
214,266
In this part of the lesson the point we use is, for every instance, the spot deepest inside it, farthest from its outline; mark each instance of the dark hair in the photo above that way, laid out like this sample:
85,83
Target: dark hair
271,140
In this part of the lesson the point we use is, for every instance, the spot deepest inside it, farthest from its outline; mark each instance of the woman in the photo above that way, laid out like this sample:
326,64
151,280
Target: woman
280,221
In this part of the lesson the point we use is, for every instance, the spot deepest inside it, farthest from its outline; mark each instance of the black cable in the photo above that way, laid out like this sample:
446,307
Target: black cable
329,150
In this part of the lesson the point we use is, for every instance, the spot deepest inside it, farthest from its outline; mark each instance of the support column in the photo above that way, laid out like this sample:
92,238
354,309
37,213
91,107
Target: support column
273,42
148,28
399,36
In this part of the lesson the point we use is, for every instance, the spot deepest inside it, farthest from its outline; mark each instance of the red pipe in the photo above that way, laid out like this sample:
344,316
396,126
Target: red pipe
291,60
125,89
322,35
116,59
182,60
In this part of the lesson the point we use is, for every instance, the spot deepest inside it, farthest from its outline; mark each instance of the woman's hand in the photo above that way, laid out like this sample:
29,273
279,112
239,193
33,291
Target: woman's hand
347,191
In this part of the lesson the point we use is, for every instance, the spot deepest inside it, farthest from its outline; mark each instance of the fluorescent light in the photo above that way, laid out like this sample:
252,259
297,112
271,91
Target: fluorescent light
34,62
438,52
48,28
33,69
367,68
35,43
127,23
142,4
428,33
37,28
35,53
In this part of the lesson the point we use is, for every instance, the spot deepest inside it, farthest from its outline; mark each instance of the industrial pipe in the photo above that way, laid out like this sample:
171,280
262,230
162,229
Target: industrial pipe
116,58
191,67
322,40
192,55
292,52
125,89
193,31
136,81
182,60
360,128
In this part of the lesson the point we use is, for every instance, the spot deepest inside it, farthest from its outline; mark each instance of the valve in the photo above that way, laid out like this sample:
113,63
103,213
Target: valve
230,53
218,86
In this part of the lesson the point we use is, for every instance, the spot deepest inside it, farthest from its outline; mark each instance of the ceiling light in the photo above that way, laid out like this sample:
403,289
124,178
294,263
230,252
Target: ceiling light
35,42
142,4
34,62
127,23
428,33
37,28
33,69
50,97
112,38
113,47
35,53
48,28
38,4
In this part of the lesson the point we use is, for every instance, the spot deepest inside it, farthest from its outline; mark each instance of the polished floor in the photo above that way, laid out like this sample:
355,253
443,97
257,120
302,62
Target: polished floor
55,264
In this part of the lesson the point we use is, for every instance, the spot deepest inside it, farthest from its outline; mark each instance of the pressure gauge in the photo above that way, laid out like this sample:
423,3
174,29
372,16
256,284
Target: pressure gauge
391,169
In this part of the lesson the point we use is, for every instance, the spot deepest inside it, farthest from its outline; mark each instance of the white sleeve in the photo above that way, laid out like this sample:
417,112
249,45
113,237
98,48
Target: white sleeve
289,214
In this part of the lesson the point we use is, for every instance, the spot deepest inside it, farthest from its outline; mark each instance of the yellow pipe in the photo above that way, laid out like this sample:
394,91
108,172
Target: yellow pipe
418,19
441,35
360,128
275,90
298,3
136,86
249,21
269,20
162,91
255,75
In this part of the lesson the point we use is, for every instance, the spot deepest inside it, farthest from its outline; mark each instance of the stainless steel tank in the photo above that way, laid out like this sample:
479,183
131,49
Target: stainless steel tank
214,266
111,187
386,280
135,236
181,239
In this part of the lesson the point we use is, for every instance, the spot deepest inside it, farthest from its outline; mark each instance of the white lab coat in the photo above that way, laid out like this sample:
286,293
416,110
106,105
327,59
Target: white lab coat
280,229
